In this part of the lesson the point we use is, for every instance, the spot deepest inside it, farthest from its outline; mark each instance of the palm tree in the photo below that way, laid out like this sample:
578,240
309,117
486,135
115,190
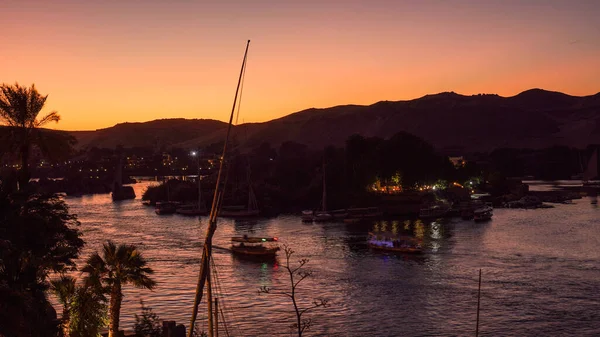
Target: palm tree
64,288
88,312
118,266
19,110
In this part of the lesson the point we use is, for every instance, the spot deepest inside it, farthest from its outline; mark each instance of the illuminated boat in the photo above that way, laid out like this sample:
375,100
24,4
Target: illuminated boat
259,247
389,242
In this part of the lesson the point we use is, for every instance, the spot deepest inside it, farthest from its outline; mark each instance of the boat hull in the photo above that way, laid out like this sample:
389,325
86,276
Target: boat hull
482,218
267,253
191,212
124,193
239,214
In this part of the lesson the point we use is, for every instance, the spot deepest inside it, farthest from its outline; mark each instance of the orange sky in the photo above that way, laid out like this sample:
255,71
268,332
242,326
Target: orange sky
108,62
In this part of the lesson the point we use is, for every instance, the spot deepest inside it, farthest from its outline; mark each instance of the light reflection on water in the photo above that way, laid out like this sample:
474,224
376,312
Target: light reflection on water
540,272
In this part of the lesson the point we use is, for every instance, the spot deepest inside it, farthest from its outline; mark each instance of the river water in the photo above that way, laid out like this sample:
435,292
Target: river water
541,272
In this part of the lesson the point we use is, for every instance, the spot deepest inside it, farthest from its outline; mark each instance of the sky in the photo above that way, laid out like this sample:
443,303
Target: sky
108,62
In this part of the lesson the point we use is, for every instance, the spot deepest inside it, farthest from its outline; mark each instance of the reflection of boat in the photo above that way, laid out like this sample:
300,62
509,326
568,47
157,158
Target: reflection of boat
484,213
165,207
191,209
591,172
254,246
390,242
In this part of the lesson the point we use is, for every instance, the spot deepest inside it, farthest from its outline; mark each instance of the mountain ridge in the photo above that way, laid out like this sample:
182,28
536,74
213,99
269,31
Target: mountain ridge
531,119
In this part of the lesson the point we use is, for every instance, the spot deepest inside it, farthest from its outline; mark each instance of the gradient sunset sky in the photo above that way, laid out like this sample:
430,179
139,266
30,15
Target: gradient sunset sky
106,62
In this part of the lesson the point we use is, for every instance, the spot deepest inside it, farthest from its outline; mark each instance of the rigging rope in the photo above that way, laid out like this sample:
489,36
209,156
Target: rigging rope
223,304
237,117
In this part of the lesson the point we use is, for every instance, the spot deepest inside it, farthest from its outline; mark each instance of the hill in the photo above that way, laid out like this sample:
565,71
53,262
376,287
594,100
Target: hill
158,133
455,123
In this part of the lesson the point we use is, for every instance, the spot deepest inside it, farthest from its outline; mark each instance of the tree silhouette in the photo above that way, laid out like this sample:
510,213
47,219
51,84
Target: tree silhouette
297,274
118,266
19,110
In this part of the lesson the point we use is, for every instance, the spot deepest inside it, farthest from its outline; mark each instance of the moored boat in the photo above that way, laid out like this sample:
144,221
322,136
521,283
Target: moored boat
307,216
165,207
591,172
434,211
238,212
390,242
322,217
191,210
483,214
257,247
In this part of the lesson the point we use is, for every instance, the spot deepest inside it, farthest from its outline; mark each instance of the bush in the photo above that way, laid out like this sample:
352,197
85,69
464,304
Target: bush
148,324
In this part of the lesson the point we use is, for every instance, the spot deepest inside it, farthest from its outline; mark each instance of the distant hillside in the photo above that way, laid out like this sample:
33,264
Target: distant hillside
456,123
158,133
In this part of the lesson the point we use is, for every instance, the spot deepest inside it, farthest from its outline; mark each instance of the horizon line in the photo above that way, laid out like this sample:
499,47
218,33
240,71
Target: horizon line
323,108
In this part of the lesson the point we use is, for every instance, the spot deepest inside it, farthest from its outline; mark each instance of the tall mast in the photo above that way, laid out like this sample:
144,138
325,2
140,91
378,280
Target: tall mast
212,223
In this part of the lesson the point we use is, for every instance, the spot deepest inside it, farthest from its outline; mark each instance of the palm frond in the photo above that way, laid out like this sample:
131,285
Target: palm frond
51,117
63,288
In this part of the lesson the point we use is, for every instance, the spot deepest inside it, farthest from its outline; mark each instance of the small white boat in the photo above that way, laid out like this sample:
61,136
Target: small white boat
307,216
322,216
483,214
434,211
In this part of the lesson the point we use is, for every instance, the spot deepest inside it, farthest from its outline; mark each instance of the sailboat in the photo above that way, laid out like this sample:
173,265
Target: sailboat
191,209
204,277
320,215
591,171
248,211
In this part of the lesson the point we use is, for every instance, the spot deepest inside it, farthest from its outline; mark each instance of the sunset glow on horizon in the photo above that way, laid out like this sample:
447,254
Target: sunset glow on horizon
103,63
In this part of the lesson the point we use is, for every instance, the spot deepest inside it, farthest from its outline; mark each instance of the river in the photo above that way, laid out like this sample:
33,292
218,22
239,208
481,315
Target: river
541,272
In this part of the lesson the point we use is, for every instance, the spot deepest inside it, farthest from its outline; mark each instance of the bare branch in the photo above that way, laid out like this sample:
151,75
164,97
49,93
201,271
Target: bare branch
297,275
317,303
